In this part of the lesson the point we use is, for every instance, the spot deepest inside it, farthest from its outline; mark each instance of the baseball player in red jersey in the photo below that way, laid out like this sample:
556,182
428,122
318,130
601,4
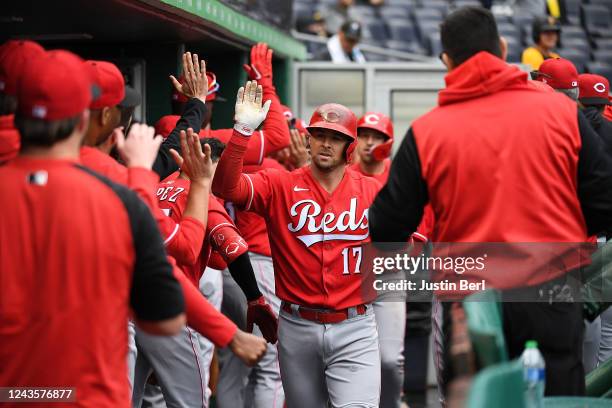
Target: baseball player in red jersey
317,219
374,143
259,386
179,390
182,367
375,140
70,277
13,56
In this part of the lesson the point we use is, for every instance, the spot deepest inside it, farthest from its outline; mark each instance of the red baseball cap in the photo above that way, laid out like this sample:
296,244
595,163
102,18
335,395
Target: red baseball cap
111,83
166,124
593,89
377,121
559,73
211,95
14,55
59,86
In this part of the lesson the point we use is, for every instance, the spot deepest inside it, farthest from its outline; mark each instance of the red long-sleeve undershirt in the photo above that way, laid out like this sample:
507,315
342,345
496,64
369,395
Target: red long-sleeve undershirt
232,185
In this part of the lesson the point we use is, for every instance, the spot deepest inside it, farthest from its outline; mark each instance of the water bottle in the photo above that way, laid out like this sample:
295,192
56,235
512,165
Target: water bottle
534,375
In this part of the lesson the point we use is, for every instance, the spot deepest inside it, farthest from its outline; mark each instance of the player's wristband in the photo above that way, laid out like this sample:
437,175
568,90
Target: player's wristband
244,129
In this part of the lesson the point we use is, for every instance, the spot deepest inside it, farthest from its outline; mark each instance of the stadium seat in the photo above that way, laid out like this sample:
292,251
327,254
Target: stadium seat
522,20
400,2
434,44
573,32
421,15
576,43
440,5
499,386
373,57
526,35
600,68
572,11
401,30
361,12
514,50
596,20
509,30
604,56
375,29
603,43
302,11
605,3
463,3
425,29
577,56
394,12
599,381
484,319
400,45
503,19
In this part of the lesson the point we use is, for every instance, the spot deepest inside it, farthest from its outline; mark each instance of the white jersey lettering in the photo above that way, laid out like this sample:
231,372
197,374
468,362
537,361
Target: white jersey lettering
308,210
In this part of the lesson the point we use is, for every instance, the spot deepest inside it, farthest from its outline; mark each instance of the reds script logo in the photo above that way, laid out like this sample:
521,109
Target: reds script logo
308,210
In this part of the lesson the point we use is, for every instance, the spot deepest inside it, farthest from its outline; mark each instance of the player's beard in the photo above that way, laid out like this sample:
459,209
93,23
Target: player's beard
327,165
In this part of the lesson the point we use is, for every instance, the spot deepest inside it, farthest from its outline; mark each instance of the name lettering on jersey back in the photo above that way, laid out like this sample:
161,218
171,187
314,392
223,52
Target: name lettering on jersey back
329,228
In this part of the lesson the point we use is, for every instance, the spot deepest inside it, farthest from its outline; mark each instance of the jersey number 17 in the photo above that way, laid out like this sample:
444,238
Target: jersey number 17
351,256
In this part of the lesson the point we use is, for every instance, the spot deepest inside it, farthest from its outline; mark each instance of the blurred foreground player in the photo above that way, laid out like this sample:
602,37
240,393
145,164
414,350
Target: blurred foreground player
77,251
317,221
467,170
14,55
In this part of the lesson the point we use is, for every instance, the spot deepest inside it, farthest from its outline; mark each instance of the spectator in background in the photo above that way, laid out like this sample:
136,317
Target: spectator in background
335,16
545,33
561,75
342,47
314,24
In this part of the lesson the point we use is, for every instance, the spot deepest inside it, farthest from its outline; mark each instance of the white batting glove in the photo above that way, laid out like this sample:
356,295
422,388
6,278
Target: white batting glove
250,113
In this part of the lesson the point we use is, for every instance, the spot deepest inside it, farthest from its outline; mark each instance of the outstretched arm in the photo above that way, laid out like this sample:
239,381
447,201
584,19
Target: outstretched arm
229,183
195,87
275,131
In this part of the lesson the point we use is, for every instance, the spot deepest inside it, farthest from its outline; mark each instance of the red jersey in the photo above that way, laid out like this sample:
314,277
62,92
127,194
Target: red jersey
251,225
66,265
316,237
382,177
172,195
425,228
9,138
183,237
607,113
201,315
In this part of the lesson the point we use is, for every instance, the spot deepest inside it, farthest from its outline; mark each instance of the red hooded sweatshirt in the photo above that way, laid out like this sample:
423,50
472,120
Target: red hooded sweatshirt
499,164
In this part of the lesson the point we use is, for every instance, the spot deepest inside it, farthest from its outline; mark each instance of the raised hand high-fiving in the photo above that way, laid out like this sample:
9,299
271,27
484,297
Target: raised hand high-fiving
194,83
250,112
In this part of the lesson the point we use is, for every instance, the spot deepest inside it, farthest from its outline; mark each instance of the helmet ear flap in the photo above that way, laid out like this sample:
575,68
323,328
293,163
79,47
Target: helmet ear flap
349,150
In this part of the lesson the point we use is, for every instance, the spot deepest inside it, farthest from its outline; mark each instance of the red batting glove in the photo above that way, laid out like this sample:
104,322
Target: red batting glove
382,151
260,313
260,68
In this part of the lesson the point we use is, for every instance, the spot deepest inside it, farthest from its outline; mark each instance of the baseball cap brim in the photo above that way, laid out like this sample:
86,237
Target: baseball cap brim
131,99
330,126
594,101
